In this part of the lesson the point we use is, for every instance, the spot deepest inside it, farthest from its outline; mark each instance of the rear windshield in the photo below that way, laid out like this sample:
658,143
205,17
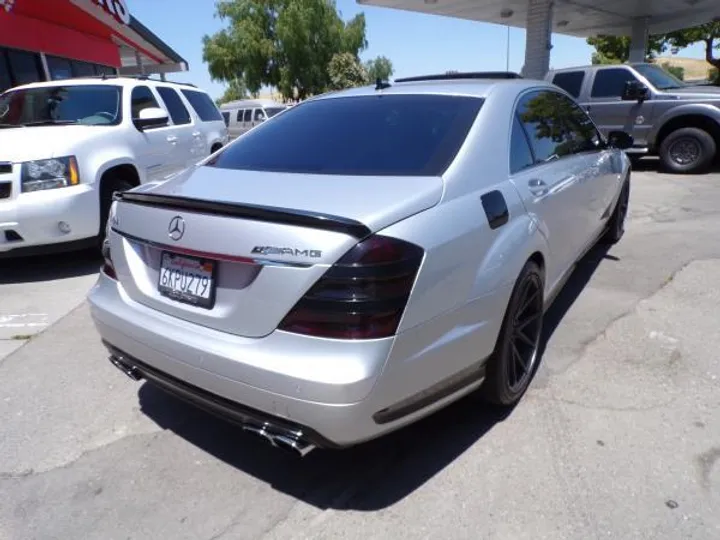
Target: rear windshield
383,135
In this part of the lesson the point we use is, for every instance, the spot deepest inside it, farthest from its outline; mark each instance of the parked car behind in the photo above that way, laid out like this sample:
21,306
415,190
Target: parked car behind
676,121
241,116
66,146
364,258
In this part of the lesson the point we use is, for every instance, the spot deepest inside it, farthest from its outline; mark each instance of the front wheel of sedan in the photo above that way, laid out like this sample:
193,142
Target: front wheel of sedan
616,223
511,367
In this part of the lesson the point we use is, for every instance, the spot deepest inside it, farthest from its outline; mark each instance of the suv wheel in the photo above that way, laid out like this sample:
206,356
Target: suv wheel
687,151
511,367
109,187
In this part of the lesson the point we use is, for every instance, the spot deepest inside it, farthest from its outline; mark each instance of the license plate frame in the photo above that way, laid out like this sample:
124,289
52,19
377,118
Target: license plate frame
193,299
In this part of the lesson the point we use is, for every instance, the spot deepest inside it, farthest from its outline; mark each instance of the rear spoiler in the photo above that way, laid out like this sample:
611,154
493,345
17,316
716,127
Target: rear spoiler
269,214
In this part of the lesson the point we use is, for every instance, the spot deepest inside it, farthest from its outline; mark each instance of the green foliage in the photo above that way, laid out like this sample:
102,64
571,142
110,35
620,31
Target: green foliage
346,71
709,34
677,71
569,126
616,49
234,91
287,44
714,75
379,68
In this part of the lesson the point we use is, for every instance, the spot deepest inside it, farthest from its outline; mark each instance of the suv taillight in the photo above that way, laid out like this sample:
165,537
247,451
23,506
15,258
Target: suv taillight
362,296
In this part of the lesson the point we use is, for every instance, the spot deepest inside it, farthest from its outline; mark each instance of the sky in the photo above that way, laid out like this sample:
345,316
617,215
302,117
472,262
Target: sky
416,43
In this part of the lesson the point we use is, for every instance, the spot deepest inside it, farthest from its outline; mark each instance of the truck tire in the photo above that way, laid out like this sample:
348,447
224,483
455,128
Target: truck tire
109,186
687,151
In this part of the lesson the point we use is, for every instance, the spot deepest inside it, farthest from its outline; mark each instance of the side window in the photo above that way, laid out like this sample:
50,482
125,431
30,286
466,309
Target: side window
248,115
556,126
142,98
226,117
205,108
520,154
239,117
570,81
610,82
259,115
174,105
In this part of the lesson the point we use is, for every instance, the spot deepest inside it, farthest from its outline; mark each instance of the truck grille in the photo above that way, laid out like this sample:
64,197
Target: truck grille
5,189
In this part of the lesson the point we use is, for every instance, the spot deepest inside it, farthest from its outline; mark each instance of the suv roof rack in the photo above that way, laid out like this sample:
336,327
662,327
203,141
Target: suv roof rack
106,76
462,75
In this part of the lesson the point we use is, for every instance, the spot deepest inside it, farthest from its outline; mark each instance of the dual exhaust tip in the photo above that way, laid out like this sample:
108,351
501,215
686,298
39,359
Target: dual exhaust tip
283,439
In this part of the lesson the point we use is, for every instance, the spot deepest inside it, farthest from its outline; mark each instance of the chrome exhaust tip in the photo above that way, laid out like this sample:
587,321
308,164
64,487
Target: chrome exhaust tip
127,369
289,441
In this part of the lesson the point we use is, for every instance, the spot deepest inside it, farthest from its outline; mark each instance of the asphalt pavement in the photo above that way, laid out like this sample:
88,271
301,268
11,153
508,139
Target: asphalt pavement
618,437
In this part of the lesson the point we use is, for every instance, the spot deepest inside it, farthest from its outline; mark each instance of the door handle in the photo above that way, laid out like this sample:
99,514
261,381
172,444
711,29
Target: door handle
538,187
196,134
172,139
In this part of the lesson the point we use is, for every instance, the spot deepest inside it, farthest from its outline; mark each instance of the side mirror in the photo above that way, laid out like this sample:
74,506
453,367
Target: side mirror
620,140
150,118
635,91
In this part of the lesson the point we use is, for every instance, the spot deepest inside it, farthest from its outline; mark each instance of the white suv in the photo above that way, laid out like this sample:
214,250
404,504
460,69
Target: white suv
67,146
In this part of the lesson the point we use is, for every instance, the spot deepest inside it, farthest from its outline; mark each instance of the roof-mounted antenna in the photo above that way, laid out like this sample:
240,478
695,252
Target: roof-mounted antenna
380,84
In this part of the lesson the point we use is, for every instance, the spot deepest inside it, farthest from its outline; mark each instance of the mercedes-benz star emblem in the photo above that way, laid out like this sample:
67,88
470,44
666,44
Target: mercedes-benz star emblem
176,229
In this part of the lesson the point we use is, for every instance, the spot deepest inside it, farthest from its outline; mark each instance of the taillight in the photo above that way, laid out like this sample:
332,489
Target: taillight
362,296
108,268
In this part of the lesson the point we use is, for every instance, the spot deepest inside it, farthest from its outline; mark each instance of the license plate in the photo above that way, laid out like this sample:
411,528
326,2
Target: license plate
187,279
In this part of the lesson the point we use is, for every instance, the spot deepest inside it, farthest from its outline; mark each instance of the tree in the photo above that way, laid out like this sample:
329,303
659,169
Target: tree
677,71
616,49
708,34
287,44
346,71
234,91
379,68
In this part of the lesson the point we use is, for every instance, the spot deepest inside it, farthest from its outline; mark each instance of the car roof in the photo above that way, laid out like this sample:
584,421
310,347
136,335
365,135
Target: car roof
110,80
480,88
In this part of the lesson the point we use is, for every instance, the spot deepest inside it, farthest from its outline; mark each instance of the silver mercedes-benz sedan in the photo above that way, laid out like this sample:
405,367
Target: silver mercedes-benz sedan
363,259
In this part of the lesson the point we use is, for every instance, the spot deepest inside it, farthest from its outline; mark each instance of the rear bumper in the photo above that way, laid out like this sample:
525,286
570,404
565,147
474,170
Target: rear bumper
365,390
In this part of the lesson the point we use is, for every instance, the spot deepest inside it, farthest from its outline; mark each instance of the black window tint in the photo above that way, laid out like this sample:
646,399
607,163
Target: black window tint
174,105
570,81
610,82
226,117
203,105
25,67
259,115
5,80
520,155
142,98
60,68
247,115
272,111
239,117
556,126
83,69
401,135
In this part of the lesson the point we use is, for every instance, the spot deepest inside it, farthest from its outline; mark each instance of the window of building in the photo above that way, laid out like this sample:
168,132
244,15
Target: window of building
203,105
5,80
60,68
25,67
174,105
83,69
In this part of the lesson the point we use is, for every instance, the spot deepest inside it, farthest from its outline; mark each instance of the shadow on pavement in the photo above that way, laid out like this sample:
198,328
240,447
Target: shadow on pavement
373,475
652,164
49,267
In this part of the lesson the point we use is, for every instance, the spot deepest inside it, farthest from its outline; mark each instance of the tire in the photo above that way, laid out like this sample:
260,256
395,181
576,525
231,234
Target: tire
504,385
616,223
109,187
688,151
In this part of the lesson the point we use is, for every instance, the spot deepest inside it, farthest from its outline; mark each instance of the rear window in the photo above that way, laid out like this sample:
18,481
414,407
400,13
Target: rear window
384,135
203,105
570,81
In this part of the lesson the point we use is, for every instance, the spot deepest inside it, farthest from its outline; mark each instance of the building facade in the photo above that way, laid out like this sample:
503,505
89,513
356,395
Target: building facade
56,39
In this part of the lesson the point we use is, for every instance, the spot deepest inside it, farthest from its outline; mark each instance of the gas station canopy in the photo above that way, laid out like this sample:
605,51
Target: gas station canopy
581,18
